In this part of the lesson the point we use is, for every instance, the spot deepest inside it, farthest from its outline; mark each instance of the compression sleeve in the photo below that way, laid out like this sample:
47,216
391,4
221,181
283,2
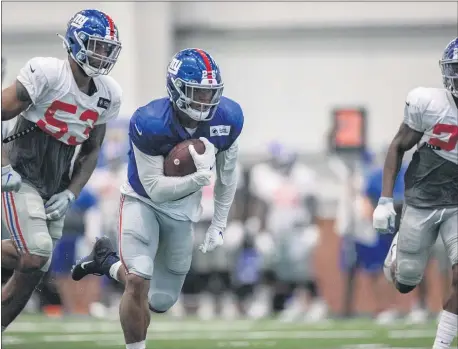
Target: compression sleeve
225,185
159,187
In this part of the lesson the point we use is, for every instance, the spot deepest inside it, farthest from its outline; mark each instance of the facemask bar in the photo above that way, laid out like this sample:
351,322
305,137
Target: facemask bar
89,59
449,69
197,109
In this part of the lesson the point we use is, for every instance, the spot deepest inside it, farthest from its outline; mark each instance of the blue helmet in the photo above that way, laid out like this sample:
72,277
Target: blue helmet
92,40
449,67
194,83
281,156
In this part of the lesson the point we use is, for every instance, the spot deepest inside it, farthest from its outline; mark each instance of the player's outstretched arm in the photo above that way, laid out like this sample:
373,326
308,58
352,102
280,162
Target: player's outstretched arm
87,159
15,99
404,140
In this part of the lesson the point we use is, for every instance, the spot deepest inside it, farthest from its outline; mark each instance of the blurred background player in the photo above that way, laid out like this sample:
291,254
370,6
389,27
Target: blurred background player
431,194
61,104
82,226
157,212
286,190
371,250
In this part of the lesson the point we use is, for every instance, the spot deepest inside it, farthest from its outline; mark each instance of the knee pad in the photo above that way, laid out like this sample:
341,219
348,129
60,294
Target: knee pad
45,267
409,272
160,302
42,245
142,266
404,288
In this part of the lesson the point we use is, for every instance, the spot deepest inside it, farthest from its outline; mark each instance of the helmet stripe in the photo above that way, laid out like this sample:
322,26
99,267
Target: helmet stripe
207,63
111,24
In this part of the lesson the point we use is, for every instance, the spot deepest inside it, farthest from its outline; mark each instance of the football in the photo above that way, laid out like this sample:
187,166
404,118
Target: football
179,161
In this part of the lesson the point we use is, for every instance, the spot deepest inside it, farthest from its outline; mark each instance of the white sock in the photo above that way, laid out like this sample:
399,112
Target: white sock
446,330
114,274
138,345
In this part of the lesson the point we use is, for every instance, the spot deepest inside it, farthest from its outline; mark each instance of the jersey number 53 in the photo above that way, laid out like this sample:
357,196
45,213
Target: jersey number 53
61,126
441,129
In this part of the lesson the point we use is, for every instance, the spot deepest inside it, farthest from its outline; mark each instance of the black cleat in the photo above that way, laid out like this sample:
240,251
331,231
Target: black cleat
98,262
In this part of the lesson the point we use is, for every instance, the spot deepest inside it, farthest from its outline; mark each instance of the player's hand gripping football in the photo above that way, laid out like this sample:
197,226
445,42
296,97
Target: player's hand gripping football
58,204
213,239
384,216
11,180
204,162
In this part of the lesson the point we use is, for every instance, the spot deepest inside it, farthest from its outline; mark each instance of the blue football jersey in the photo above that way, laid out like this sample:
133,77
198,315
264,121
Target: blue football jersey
154,129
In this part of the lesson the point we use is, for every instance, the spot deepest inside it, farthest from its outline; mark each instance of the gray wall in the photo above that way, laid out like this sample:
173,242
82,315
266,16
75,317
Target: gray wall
288,64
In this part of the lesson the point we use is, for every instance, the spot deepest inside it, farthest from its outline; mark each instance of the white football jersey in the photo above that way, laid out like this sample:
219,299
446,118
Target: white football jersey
59,108
433,112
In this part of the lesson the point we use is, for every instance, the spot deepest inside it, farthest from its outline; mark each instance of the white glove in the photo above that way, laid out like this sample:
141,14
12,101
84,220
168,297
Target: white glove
384,216
205,161
58,204
213,239
11,180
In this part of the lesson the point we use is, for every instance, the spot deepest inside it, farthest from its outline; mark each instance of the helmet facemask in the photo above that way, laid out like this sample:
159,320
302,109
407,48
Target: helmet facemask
449,69
198,101
98,55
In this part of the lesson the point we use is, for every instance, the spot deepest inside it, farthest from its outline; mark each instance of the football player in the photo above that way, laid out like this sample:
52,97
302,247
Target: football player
287,189
59,104
156,211
431,189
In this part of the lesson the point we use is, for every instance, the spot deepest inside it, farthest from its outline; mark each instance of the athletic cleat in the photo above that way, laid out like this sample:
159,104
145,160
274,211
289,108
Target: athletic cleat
98,262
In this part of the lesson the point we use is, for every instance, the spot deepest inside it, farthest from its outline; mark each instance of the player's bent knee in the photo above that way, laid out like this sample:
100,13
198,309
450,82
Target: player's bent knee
409,273
141,266
30,263
137,286
42,245
160,302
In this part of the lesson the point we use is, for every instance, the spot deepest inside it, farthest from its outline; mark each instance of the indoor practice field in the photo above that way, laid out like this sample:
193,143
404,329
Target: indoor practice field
38,332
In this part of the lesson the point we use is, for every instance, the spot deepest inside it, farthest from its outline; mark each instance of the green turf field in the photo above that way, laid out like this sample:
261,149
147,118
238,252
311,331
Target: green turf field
36,332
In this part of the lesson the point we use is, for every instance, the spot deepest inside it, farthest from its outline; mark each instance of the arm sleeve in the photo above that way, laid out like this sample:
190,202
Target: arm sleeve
225,185
413,110
159,187
34,76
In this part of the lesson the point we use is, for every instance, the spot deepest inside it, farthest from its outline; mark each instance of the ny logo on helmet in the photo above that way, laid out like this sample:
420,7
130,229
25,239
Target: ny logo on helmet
79,20
455,53
174,66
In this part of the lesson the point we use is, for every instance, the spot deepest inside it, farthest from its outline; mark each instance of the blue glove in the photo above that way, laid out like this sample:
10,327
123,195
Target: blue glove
58,204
